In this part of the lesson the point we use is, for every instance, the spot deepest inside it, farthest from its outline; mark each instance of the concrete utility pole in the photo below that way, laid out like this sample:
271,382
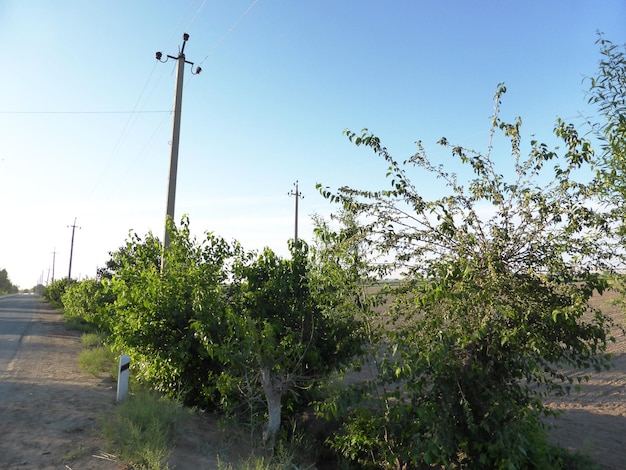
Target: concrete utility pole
54,255
178,101
69,274
298,195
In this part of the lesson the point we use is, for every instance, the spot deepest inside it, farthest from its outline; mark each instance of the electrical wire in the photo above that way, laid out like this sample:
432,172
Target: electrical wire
225,35
132,119
193,20
87,112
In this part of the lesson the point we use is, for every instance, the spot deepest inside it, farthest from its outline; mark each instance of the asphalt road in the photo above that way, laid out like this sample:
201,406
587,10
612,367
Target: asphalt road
16,314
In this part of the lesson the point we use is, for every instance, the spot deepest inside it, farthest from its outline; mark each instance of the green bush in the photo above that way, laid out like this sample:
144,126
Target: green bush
153,312
493,313
87,303
53,293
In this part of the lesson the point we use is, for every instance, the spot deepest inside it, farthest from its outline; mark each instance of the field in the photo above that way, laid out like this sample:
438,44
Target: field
594,420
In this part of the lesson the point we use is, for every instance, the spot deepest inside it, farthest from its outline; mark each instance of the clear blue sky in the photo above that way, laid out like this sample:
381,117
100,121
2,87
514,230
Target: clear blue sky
85,119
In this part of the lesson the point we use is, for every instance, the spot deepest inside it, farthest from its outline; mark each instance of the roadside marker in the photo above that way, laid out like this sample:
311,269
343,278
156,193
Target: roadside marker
122,377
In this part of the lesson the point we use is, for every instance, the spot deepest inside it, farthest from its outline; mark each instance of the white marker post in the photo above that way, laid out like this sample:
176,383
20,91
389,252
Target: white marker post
122,377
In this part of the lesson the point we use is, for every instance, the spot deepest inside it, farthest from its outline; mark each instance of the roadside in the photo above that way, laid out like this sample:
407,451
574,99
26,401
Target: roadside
50,410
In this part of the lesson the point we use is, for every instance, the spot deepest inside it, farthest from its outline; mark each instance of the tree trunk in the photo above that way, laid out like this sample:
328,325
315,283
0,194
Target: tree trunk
272,387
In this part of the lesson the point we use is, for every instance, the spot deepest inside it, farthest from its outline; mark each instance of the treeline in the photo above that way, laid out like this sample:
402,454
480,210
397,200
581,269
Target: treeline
249,334
461,353
6,286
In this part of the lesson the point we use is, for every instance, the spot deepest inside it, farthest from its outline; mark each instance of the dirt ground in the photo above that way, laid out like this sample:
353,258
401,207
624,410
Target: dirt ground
50,411
594,420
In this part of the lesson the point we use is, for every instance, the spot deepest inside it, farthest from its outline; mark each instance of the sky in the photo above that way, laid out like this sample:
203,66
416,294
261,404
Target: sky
86,110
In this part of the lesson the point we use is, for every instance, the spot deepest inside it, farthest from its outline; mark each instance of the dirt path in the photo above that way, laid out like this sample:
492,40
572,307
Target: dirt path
50,410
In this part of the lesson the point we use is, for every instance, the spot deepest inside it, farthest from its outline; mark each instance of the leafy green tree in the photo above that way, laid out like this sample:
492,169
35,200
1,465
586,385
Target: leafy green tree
88,301
286,333
493,307
6,286
607,90
53,293
154,312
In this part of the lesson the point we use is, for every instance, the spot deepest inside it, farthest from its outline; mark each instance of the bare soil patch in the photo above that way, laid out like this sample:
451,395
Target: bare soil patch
594,420
50,411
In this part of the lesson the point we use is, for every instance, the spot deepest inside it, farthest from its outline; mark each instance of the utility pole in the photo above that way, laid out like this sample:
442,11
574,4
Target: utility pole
69,274
178,101
297,195
54,255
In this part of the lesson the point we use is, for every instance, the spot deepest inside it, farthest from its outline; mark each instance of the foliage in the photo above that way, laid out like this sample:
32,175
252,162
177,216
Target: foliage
96,358
6,286
493,306
53,292
143,428
220,327
88,302
153,312
285,332
607,90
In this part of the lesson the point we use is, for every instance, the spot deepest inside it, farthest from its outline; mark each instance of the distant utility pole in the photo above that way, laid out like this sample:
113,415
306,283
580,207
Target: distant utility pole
69,274
178,101
297,195
54,255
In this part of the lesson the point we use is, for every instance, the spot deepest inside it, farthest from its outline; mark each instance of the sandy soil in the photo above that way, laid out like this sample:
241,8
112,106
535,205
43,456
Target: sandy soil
50,410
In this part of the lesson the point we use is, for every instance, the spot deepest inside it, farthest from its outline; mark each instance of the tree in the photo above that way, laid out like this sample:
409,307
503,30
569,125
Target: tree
221,327
607,90
493,306
89,302
154,313
53,293
285,333
6,286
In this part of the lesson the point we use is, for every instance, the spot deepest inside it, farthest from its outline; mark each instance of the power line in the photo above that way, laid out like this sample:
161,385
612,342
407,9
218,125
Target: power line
86,112
227,33
193,20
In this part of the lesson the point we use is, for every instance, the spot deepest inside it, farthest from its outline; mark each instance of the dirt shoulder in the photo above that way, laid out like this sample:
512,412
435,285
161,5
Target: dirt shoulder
49,409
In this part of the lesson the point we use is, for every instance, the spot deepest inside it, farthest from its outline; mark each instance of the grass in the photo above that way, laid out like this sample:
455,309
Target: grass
294,450
578,460
96,358
143,428
79,324
95,361
283,459
90,340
